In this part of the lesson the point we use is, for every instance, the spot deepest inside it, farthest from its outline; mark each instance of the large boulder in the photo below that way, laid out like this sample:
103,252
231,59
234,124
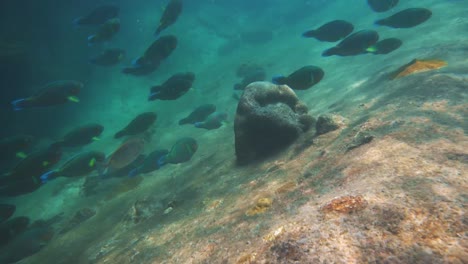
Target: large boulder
269,118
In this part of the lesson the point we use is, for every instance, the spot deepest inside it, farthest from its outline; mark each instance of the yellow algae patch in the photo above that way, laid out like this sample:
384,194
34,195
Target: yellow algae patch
417,66
212,205
273,235
345,204
262,205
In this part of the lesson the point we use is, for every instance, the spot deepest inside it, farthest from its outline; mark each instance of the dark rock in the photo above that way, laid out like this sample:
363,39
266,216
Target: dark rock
269,118
325,124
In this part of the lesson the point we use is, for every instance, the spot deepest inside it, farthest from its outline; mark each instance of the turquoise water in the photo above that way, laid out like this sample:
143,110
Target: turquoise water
39,44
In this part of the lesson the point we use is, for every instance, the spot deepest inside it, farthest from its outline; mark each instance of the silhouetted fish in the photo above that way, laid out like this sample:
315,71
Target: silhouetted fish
15,146
6,211
138,125
382,5
26,244
173,88
181,151
98,16
407,18
154,54
331,31
12,228
125,154
54,93
199,114
105,32
109,57
33,166
150,163
213,121
302,79
79,165
385,46
355,44
170,15
81,136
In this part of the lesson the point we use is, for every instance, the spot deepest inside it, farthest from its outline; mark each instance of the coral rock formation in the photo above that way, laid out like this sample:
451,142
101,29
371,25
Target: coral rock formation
269,117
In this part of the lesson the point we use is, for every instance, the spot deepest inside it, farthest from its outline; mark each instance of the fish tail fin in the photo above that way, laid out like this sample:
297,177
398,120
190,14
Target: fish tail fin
280,79
184,121
379,22
119,134
162,161
134,172
154,95
329,52
309,34
77,22
372,49
91,40
157,31
48,176
18,104
198,124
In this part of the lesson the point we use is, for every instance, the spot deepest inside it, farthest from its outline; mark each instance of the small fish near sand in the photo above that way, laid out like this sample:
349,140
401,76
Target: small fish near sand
150,163
105,32
301,79
382,5
51,94
182,151
199,114
138,125
417,66
173,88
213,121
331,31
407,18
79,165
81,136
355,44
108,57
158,51
169,16
385,46
98,16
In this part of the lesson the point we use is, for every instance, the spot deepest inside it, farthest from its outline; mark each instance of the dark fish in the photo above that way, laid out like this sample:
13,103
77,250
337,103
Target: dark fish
157,52
199,114
150,163
170,15
54,93
385,46
138,125
79,165
331,31
98,16
125,154
26,244
382,5
302,79
407,18
32,167
81,136
355,44
173,88
125,171
105,32
12,228
109,57
6,211
213,121
15,146
182,151
255,76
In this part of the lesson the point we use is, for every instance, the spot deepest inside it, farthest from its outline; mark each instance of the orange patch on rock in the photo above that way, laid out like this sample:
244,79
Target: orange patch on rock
417,66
